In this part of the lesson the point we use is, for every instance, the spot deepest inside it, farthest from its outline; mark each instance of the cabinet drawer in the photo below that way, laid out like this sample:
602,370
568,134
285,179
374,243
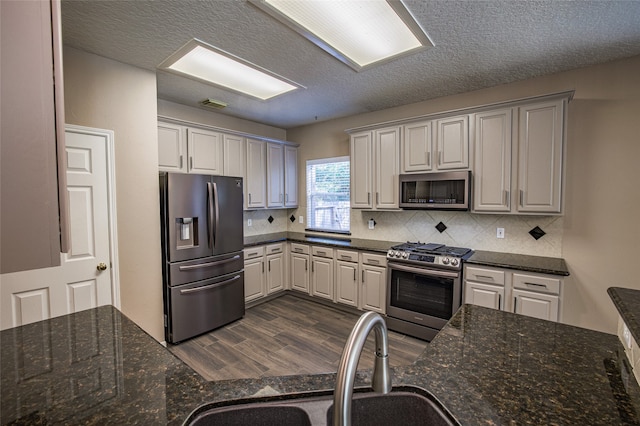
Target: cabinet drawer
347,255
253,252
299,248
322,251
536,283
373,259
482,275
274,248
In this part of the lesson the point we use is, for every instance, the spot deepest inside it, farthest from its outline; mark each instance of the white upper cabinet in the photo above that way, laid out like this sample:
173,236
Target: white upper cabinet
275,175
361,170
387,154
492,180
290,176
375,165
256,184
205,151
452,143
172,148
540,157
417,147
234,155
519,159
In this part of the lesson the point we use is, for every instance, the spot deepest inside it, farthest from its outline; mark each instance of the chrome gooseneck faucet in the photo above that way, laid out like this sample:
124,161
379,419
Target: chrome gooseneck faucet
381,381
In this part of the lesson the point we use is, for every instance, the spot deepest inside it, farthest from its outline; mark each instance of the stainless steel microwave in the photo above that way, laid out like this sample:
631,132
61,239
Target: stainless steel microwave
436,191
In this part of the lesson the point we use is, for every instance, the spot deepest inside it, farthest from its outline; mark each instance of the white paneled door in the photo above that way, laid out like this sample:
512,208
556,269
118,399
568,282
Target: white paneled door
84,279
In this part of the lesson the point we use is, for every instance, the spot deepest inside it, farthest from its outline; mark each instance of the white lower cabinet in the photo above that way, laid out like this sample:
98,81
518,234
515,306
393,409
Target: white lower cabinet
322,282
264,268
521,292
374,282
254,282
347,269
300,268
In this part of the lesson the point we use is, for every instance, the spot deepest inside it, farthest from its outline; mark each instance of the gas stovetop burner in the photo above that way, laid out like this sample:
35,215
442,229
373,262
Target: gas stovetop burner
432,254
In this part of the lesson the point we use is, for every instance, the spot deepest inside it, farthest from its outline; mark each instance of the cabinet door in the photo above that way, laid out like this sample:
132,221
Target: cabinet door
374,285
275,174
487,295
537,305
416,147
361,174
290,176
347,283
254,287
234,155
492,179
452,141
275,273
256,186
540,152
205,152
300,272
387,162
322,277
172,148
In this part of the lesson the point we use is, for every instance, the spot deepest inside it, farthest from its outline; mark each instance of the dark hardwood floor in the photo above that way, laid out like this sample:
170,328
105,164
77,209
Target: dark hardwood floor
284,336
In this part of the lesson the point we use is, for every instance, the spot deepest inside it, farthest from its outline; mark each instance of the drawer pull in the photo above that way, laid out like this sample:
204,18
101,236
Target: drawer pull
345,256
297,249
536,284
373,261
499,302
273,250
322,253
487,277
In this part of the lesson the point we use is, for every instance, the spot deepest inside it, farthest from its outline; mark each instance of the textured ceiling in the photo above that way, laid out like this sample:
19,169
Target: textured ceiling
478,44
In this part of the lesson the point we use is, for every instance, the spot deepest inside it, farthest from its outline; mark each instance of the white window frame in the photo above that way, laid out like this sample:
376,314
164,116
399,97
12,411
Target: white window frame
339,214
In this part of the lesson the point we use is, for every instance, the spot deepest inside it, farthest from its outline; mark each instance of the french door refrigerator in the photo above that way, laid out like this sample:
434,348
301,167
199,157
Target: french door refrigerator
202,243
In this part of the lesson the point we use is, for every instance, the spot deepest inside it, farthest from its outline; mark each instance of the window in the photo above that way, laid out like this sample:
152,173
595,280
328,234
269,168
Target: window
328,204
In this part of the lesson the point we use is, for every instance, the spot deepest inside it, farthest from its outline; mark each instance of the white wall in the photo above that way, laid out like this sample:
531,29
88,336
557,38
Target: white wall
600,231
110,95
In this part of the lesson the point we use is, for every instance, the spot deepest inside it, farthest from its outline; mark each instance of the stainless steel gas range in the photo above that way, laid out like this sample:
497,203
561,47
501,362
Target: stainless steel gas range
424,287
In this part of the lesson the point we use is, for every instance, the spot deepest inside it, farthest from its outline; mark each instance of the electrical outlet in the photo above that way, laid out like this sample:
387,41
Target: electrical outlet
500,233
371,223
300,219
249,222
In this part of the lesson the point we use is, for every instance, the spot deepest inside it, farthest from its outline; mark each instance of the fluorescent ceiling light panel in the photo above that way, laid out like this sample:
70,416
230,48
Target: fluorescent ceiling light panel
358,33
211,65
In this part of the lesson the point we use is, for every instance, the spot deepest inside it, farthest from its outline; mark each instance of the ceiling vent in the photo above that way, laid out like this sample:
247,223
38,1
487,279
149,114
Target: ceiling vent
214,103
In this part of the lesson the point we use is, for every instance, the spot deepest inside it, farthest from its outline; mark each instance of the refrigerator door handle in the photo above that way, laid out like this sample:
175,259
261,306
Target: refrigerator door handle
211,286
217,212
208,264
210,213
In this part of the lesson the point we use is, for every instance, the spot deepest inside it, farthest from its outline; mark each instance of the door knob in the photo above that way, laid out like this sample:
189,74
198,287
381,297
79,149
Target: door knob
102,266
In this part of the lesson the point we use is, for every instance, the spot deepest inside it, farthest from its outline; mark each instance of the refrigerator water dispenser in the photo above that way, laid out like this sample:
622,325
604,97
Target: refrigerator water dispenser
185,231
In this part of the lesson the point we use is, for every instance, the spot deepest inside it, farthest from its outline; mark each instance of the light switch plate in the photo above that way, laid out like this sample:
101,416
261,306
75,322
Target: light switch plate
500,233
249,222
300,219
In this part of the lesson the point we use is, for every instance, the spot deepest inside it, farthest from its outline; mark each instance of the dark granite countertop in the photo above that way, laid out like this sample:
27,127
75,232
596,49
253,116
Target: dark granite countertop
329,241
540,264
486,366
627,302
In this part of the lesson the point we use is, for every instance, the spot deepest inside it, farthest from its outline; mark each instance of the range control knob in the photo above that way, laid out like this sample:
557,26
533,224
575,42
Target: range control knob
445,261
405,255
390,253
454,262
398,253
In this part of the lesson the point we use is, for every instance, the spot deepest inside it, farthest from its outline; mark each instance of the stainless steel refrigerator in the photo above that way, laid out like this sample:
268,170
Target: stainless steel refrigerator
202,243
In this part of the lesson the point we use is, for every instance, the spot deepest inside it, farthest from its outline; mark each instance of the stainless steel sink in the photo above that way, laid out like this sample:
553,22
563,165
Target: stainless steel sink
405,405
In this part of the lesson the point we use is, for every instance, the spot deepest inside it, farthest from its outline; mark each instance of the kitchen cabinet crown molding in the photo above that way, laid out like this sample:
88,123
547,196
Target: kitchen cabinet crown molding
171,120
466,110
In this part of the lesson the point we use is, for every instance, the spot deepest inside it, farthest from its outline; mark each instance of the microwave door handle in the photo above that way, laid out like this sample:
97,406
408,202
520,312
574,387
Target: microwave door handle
210,214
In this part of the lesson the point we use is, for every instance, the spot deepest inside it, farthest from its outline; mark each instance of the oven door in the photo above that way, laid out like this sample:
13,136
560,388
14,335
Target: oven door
424,296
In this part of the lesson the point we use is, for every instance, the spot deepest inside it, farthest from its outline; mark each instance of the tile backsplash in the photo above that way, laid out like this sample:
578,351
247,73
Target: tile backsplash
463,229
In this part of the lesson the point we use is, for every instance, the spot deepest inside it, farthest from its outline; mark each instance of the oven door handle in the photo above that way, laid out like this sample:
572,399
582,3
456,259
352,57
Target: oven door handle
423,271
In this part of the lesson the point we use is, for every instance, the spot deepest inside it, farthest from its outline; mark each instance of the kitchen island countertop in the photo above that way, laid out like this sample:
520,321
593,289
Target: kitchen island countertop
486,366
